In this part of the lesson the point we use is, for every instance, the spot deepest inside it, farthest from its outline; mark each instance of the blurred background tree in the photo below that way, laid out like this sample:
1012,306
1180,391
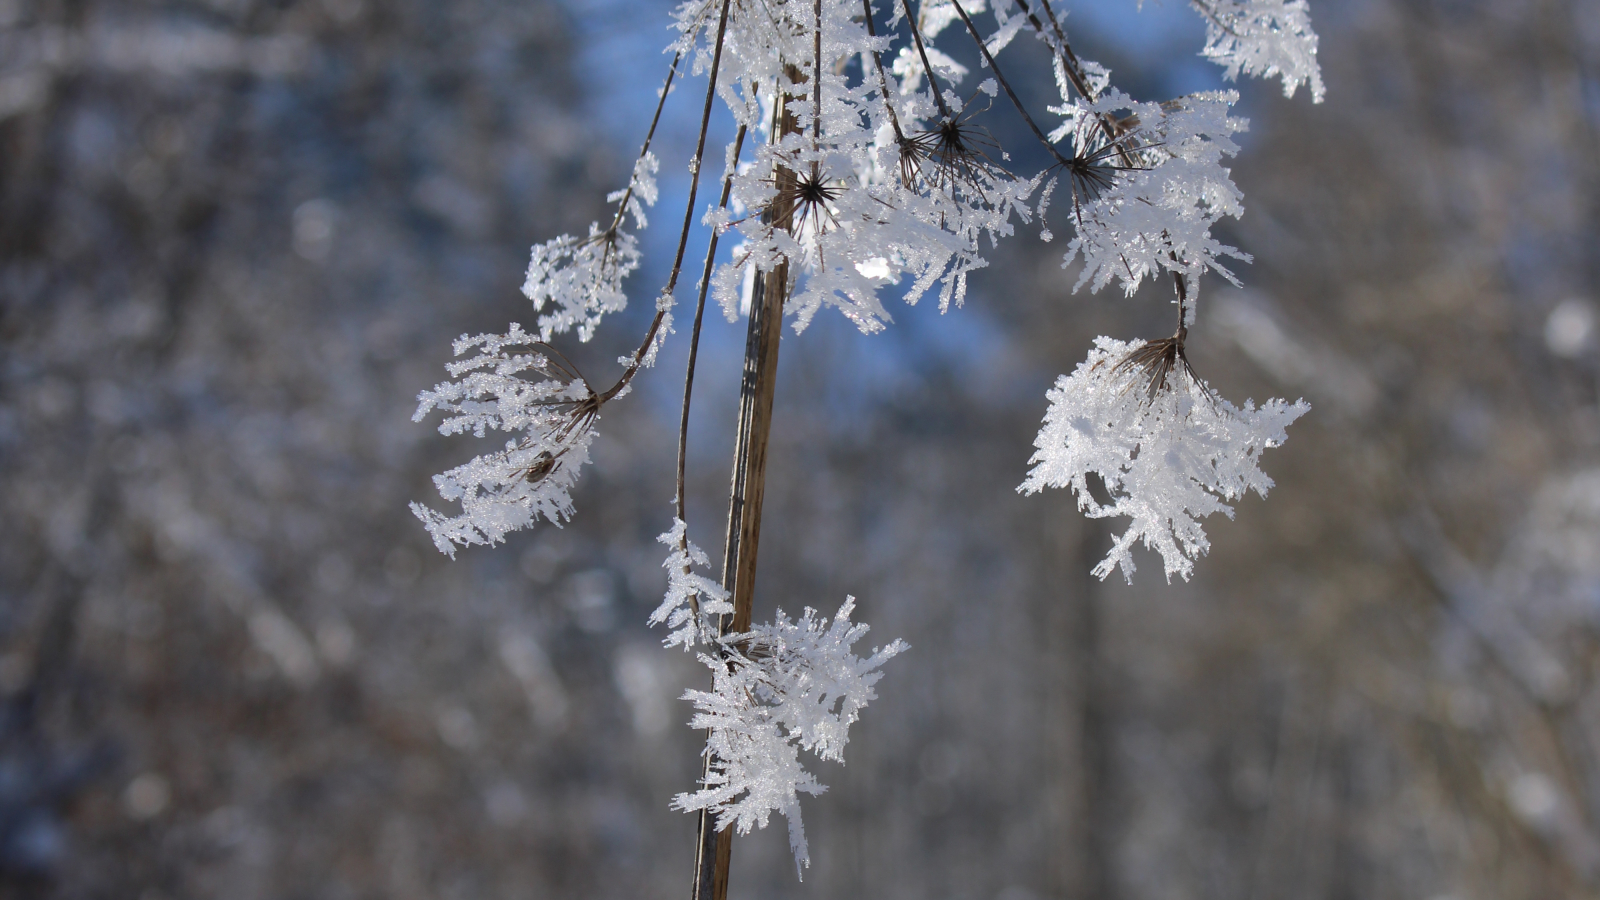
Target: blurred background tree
232,234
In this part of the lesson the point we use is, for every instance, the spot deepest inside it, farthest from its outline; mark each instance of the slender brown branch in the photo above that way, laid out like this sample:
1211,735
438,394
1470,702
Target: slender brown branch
688,214
816,86
1070,63
995,68
699,316
694,353
1181,284
933,83
672,72
883,79
714,852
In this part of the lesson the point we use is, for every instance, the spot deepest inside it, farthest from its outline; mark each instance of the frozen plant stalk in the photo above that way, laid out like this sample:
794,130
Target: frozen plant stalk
871,174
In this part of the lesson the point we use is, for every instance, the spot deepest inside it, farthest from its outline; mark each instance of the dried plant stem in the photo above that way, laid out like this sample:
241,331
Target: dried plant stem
933,83
688,214
883,79
714,853
672,72
994,67
1071,65
694,355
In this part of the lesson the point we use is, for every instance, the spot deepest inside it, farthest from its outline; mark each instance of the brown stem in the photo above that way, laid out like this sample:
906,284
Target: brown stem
694,353
672,72
883,79
715,850
995,68
933,84
1181,284
816,87
1070,63
688,215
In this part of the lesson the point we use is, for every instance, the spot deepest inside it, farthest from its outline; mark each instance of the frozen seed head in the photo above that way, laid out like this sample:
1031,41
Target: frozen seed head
1102,149
953,152
810,198
1153,364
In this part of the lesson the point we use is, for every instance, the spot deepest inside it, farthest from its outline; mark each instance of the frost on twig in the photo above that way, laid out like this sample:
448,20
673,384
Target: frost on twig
573,282
692,602
1147,202
1167,450
509,489
1263,38
781,688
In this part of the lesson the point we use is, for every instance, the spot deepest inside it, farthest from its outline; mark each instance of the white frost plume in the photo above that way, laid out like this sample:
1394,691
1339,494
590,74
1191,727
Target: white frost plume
782,688
509,489
688,593
1263,38
1146,202
1167,450
573,282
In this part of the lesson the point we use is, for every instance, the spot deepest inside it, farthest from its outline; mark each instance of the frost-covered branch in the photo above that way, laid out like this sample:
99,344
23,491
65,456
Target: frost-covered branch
531,477
781,688
1264,38
865,184
580,280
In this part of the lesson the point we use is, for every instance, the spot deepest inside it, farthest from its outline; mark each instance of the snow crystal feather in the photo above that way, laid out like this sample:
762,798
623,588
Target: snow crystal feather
781,688
692,602
531,477
1168,454
1264,38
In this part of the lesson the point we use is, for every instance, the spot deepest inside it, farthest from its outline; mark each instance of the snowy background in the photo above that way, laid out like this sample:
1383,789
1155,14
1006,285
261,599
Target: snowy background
237,236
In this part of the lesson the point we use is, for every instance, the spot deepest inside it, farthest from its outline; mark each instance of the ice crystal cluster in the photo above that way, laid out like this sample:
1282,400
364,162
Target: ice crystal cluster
531,476
874,175
864,169
1266,38
572,281
1168,456
692,601
780,689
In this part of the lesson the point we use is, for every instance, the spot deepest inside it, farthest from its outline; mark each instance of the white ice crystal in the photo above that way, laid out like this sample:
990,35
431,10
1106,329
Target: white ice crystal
509,489
1263,38
781,688
1167,187
573,282
1167,455
688,593
871,173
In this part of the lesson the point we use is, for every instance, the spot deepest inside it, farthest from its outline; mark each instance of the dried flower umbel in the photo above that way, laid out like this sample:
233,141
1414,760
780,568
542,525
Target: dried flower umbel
862,187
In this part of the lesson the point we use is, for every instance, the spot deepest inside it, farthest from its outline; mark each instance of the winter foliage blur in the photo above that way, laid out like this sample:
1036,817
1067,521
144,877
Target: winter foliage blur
216,278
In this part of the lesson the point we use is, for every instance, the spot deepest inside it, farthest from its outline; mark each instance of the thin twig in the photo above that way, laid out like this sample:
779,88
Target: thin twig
883,79
995,68
688,214
627,195
1070,62
699,316
816,88
694,353
933,84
